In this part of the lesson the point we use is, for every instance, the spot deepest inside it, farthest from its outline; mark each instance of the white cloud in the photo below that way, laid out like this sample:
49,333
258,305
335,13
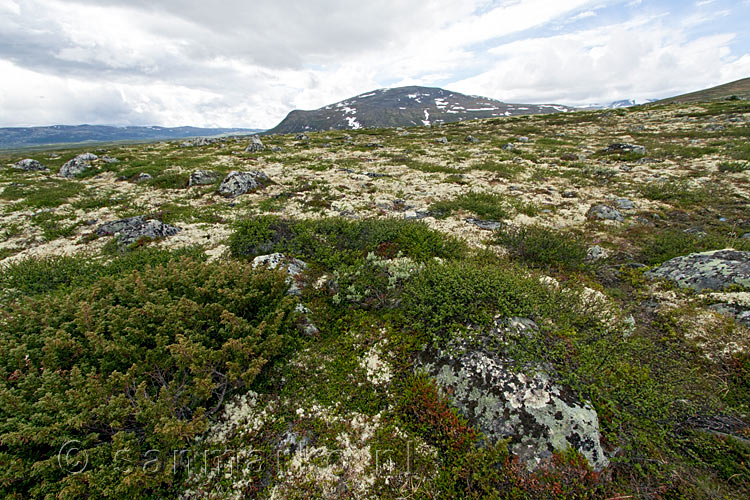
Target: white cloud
239,63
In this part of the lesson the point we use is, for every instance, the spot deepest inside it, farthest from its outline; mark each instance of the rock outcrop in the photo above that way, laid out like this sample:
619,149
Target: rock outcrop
526,406
255,145
130,230
713,270
202,178
77,165
604,212
29,165
237,183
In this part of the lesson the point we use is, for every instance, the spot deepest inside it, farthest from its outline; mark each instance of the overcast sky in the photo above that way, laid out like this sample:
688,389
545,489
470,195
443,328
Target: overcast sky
247,63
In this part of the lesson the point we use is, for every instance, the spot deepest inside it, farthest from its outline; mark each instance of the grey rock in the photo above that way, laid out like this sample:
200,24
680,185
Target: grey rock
416,214
488,225
237,183
713,270
739,313
277,149
77,165
746,236
29,165
624,204
143,177
596,253
622,147
509,146
255,145
301,137
472,139
442,140
293,267
604,212
109,159
569,194
130,230
526,406
202,178
523,138
199,141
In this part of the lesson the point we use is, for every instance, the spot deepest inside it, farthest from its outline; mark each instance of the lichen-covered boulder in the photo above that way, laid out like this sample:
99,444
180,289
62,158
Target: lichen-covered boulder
29,165
604,212
536,414
713,270
293,267
202,178
255,145
130,230
77,165
237,183
487,225
622,147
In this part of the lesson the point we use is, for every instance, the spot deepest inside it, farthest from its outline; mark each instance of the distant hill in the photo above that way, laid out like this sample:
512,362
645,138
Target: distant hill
739,88
22,137
403,107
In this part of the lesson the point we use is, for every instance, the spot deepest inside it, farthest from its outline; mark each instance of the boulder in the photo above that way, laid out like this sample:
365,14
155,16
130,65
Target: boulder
29,165
487,225
293,267
255,145
622,147
130,230
442,140
569,194
237,183
596,253
713,270
526,406
77,165
604,212
202,178
523,138
509,146
472,139
143,176
624,204
109,159
301,137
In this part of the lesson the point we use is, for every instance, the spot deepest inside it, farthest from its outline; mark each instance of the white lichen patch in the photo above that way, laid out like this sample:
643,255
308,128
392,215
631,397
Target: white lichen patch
378,371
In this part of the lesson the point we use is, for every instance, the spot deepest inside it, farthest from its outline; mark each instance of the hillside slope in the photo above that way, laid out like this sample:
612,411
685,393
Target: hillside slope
404,107
739,88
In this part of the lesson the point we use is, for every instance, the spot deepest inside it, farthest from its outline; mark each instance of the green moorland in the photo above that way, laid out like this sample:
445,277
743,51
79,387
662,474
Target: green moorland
172,368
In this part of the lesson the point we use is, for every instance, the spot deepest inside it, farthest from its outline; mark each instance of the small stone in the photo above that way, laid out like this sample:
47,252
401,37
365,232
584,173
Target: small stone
109,159
301,137
202,178
604,212
624,204
596,253
508,146
472,139
143,176
293,267
441,140
523,138
569,194
256,145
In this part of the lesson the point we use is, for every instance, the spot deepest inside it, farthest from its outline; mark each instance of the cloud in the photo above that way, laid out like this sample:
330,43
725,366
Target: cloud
239,63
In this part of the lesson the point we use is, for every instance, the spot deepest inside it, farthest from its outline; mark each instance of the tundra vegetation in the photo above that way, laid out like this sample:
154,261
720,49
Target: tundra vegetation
178,367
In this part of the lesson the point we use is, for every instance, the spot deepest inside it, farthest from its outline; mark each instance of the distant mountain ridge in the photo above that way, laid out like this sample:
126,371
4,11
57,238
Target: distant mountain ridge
21,137
404,107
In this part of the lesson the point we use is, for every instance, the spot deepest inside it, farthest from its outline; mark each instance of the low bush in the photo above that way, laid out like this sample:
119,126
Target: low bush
128,371
543,247
484,205
336,242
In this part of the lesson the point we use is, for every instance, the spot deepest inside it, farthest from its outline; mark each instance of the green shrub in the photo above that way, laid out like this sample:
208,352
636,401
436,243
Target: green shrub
334,242
484,205
679,193
133,363
42,275
544,247
43,193
663,245
734,167
449,296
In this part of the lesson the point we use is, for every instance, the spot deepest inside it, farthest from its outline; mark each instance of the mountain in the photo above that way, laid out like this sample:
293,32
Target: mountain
739,89
405,106
22,137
